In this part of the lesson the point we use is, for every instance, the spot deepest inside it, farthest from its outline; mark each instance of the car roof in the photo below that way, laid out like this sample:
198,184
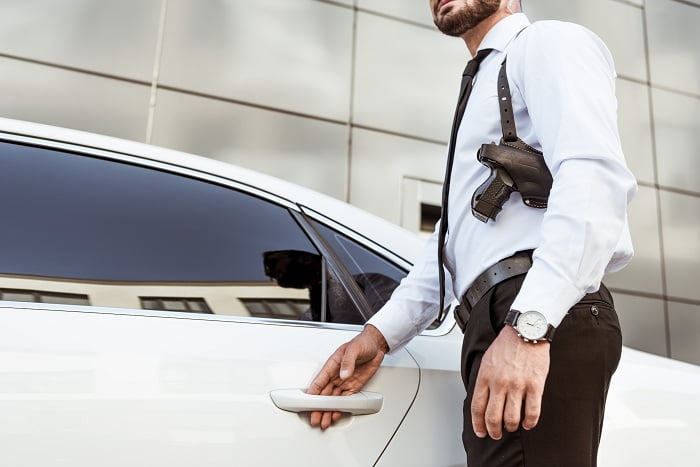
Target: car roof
389,236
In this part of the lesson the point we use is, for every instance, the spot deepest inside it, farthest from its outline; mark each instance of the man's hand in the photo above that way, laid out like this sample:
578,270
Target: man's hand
348,370
512,371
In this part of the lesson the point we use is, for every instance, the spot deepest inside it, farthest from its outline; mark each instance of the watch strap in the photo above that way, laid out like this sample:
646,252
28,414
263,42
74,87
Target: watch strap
512,317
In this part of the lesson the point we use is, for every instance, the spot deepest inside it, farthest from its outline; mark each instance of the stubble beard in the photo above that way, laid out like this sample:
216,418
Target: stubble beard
457,21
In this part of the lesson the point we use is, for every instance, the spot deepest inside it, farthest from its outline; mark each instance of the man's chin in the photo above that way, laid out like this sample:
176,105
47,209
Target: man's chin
450,27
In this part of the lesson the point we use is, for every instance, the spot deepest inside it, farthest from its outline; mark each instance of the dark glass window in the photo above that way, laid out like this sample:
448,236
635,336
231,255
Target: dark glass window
133,236
120,231
78,217
376,277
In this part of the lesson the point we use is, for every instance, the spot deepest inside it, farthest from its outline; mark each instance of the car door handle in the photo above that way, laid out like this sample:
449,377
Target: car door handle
296,400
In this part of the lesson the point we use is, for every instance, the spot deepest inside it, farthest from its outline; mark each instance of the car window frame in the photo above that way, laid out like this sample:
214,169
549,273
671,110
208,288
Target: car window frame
292,208
448,321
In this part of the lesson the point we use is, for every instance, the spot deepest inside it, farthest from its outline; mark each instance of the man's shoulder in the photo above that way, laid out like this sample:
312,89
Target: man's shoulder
561,33
559,40
555,29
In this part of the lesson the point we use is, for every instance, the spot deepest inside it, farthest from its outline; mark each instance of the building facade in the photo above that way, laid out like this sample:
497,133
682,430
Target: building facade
354,98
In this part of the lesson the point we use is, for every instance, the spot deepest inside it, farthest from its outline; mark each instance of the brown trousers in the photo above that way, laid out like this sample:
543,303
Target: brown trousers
583,357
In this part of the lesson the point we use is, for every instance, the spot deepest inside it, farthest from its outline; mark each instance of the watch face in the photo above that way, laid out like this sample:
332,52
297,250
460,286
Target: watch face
532,325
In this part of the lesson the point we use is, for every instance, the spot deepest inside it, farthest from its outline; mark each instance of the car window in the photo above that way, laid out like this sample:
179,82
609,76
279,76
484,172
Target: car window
375,275
122,235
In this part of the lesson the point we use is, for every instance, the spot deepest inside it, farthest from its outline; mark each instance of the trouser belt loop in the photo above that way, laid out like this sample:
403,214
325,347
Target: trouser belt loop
509,267
462,313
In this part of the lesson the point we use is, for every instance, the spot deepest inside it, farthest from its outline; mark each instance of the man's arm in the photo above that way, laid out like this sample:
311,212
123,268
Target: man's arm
412,307
566,78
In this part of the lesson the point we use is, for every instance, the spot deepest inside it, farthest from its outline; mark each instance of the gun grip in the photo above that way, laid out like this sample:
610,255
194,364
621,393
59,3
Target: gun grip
489,198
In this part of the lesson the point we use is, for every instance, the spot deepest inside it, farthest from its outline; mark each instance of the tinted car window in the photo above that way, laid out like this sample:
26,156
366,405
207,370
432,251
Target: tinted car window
78,217
375,276
123,234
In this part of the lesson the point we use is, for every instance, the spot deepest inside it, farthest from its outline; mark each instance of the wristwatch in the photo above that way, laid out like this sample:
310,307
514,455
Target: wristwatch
531,325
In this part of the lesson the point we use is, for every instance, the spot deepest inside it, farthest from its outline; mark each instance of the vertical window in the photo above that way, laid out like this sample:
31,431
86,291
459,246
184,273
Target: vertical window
376,277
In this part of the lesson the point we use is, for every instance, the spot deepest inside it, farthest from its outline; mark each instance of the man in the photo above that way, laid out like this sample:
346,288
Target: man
528,403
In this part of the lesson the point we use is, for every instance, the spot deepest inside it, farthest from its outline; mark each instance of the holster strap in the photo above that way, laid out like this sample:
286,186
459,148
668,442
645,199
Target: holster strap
509,267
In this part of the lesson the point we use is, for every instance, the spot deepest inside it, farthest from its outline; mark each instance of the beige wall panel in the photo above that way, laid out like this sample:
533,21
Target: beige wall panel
408,84
642,322
635,128
643,274
411,10
414,193
379,164
685,329
681,224
674,34
620,25
70,99
110,36
309,152
676,120
289,54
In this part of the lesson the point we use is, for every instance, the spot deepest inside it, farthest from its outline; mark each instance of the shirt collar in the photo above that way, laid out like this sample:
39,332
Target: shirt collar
500,35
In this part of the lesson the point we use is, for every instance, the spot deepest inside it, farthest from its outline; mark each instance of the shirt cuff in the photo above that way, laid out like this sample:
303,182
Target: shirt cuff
547,293
394,325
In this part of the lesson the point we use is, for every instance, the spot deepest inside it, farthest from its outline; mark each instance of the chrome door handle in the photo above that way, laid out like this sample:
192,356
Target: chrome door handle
296,400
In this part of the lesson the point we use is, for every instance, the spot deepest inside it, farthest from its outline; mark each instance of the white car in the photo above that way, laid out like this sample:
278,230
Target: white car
163,309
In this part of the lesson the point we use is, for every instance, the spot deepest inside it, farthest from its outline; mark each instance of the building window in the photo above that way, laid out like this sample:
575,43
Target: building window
190,305
38,296
429,215
280,308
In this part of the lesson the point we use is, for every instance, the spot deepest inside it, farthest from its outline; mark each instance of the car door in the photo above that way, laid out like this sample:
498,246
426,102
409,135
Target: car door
149,316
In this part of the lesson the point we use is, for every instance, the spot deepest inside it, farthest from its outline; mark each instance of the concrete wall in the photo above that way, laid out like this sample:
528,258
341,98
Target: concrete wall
354,99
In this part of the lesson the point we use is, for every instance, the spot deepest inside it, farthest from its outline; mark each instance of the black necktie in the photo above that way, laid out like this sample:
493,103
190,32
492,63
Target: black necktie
465,89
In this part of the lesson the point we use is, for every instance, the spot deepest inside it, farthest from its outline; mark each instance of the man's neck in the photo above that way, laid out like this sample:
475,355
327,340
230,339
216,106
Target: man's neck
474,36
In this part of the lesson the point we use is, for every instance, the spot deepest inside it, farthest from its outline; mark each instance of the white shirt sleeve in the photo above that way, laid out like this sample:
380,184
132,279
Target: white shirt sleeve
415,302
565,75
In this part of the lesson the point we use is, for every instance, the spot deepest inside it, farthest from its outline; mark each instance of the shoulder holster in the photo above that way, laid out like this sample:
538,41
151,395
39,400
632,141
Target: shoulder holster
515,165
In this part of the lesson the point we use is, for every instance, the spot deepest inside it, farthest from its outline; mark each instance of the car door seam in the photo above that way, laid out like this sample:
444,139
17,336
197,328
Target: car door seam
415,396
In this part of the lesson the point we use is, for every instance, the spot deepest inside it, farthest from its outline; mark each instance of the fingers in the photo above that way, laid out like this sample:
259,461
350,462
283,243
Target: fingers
512,411
328,418
493,416
494,409
347,364
315,418
533,407
480,401
498,403
345,373
327,373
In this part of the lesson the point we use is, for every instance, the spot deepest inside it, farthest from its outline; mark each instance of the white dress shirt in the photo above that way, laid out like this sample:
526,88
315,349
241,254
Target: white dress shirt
562,81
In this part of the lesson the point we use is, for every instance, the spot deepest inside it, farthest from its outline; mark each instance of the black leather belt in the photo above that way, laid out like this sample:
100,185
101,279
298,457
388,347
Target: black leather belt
512,266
